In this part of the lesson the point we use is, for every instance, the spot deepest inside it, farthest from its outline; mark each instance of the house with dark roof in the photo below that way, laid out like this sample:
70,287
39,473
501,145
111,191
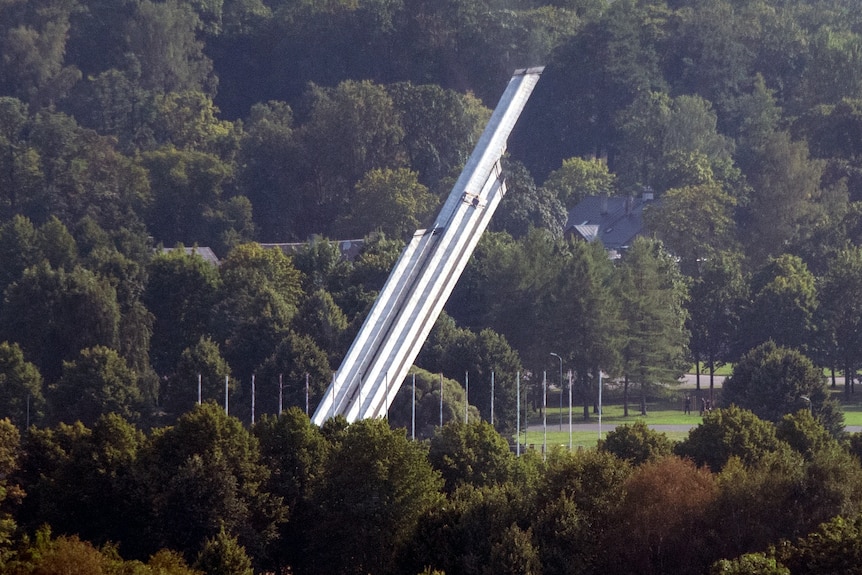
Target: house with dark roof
615,221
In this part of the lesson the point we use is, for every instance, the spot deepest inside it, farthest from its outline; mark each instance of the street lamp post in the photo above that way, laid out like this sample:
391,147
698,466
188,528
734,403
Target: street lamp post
570,411
600,405
544,415
518,415
561,388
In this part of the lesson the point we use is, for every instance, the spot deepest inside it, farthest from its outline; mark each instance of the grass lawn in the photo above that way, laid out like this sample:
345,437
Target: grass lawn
852,411
558,429
658,413
725,369
580,439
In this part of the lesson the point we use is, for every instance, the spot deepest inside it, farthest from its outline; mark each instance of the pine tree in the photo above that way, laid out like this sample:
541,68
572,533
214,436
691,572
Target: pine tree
652,293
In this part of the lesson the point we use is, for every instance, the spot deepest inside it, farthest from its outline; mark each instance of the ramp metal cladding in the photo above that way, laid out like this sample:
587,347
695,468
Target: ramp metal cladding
425,274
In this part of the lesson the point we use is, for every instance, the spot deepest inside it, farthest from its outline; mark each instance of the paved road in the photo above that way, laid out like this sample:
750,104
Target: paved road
690,381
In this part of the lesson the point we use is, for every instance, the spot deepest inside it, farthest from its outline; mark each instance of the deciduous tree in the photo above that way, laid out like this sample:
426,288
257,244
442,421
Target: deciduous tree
773,381
163,39
181,291
526,206
729,432
295,361
353,129
84,481
295,451
430,410
782,204
656,129
10,493
783,305
268,161
663,510
223,555
19,164
205,474
387,200
54,314
33,43
578,178
97,382
21,393
204,361
377,478
694,222
840,296
259,299
188,188
471,454
320,318
18,249
749,564
637,443
441,127
833,547
719,294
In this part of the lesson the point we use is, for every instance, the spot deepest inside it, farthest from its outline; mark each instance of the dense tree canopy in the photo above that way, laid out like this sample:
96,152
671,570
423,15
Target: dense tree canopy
134,125
23,397
772,381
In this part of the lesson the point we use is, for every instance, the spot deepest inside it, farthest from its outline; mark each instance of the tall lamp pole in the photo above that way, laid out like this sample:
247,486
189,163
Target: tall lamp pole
544,415
561,388
600,405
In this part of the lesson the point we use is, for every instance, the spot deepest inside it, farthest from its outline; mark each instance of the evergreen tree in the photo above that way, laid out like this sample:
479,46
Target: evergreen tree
653,294
223,555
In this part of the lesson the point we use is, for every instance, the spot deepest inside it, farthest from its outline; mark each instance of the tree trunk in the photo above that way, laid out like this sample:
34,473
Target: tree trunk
697,372
587,395
711,381
643,397
626,395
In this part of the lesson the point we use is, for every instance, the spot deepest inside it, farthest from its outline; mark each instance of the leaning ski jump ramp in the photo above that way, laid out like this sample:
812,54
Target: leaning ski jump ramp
425,274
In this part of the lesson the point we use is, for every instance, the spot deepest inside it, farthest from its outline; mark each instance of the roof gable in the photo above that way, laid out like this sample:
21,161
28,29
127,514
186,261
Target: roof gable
615,221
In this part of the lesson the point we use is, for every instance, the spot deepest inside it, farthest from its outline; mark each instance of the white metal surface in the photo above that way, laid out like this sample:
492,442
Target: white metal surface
425,275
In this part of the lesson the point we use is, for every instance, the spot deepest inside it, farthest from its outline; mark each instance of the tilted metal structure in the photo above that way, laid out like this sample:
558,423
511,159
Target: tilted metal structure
425,275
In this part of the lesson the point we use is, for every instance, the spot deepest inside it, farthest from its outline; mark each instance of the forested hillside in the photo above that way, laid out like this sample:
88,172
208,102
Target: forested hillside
129,126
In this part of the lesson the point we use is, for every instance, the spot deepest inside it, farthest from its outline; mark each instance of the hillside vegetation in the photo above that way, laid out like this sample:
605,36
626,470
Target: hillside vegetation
130,126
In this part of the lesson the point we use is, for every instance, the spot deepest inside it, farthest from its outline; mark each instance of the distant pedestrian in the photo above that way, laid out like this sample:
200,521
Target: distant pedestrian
687,409
702,406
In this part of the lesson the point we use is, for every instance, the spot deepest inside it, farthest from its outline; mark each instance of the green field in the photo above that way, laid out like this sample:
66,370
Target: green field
663,412
580,439
725,369
612,415
852,414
